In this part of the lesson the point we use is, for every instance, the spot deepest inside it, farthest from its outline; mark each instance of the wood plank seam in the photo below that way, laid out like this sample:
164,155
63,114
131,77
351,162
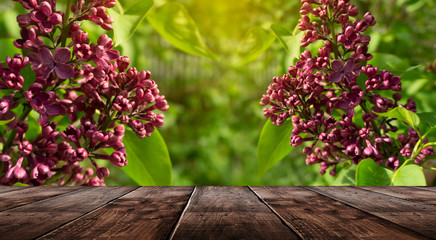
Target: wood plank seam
389,195
344,202
42,200
174,229
89,212
283,220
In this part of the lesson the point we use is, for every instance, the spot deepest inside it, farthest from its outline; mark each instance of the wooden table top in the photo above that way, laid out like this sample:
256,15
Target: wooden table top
218,212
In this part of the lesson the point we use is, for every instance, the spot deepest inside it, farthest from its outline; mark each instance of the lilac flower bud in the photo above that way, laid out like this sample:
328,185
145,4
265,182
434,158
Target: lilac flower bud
21,127
324,166
20,174
98,136
102,172
119,130
118,159
406,152
50,148
24,20
412,133
81,154
28,4
4,106
123,63
428,151
364,133
17,63
393,163
71,134
25,147
41,173
70,155
296,140
5,158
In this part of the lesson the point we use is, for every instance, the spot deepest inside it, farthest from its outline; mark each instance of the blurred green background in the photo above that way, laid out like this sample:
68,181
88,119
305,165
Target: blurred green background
214,120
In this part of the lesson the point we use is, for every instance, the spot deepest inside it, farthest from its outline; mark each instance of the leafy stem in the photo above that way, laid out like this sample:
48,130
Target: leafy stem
66,24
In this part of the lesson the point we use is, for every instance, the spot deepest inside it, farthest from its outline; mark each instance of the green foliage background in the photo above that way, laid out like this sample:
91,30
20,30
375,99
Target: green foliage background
214,121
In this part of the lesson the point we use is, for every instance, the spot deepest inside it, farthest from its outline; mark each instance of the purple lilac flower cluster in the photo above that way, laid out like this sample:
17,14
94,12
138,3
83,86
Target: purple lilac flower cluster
324,98
88,82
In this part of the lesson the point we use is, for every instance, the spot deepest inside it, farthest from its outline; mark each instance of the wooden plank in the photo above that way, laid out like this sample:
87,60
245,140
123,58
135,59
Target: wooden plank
35,219
229,213
31,194
313,216
4,189
432,189
408,193
146,213
419,217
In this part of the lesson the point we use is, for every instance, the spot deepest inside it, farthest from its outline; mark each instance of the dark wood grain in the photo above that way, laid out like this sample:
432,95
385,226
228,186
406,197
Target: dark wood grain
312,215
416,216
4,189
229,213
28,195
146,213
408,193
35,219
432,189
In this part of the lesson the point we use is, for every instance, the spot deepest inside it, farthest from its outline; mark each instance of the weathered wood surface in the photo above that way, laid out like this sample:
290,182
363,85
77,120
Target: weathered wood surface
312,215
217,213
415,215
224,213
147,213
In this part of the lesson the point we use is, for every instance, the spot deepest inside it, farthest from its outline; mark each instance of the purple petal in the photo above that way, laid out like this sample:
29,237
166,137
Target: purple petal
112,54
337,65
45,56
34,59
64,71
45,8
335,77
45,27
55,18
46,71
44,120
38,17
342,105
62,55
349,66
55,109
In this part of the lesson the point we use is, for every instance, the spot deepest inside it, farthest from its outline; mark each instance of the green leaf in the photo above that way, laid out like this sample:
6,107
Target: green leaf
369,173
9,19
402,114
148,159
346,176
428,118
290,42
4,122
128,15
173,23
255,42
273,145
409,175
389,62
7,48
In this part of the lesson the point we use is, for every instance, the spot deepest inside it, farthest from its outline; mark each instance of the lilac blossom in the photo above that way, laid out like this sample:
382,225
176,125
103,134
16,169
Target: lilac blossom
46,62
320,94
89,84
45,18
